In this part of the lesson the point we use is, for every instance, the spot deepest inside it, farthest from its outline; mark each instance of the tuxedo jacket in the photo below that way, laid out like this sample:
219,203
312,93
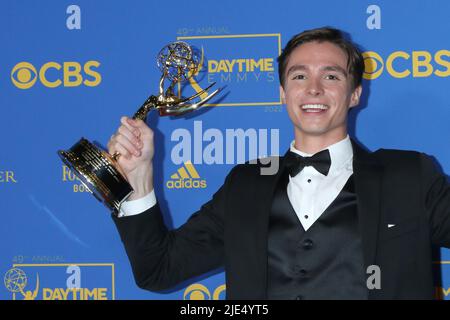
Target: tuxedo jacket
403,208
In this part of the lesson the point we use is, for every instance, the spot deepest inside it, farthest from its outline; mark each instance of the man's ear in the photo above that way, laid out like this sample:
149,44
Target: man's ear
356,95
283,98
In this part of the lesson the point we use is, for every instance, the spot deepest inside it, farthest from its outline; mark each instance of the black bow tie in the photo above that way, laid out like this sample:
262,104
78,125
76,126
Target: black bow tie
295,163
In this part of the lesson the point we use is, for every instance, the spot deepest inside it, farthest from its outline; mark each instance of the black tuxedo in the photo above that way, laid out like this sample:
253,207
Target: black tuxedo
393,187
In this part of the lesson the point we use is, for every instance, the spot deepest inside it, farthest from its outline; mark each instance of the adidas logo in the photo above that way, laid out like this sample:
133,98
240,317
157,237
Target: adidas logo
186,177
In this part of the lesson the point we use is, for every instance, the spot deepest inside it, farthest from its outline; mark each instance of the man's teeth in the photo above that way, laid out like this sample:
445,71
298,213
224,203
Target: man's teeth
314,107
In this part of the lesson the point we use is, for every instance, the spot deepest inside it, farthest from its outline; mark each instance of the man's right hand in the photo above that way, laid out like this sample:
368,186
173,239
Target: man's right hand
134,141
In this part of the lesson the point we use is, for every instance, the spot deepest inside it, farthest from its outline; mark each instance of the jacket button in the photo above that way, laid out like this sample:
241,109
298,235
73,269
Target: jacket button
308,244
301,272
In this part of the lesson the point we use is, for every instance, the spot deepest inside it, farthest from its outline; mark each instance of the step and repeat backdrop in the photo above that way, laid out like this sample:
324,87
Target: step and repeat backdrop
71,69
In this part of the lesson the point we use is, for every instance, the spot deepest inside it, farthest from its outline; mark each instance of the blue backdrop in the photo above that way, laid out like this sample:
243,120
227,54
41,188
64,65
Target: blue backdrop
72,69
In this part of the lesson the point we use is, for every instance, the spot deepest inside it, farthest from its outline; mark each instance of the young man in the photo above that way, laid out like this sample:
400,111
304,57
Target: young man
332,213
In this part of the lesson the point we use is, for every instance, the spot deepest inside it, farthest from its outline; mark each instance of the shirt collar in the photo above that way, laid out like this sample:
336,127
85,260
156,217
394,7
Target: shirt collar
340,153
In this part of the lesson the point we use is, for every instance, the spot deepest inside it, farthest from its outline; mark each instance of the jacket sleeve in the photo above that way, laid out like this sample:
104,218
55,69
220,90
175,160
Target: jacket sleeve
436,195
162,258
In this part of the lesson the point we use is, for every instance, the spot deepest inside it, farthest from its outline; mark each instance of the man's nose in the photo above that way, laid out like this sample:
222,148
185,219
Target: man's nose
315,88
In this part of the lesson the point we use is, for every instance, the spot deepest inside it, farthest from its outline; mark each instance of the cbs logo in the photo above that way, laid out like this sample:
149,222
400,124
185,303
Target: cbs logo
400,64
198,291
52,74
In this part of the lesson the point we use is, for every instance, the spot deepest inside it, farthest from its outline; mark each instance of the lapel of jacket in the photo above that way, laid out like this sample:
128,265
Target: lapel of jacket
265,188
367,172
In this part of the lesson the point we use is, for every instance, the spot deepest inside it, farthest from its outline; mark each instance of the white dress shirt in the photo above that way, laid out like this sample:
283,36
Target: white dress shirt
133,207
309,192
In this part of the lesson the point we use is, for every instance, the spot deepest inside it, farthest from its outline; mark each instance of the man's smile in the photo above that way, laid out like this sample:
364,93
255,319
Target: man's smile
314,108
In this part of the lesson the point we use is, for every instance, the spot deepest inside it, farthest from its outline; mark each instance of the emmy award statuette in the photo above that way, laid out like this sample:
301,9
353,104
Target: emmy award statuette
97,169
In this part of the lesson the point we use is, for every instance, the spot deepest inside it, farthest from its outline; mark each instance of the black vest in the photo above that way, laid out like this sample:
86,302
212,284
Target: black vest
325,262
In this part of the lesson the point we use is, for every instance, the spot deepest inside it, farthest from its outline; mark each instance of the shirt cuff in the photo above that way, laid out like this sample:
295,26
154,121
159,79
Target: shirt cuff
134,207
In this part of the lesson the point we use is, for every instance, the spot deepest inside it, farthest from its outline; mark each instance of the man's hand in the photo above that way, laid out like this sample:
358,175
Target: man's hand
134,141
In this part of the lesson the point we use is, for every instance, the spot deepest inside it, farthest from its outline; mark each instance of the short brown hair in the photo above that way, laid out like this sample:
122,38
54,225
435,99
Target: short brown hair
355,60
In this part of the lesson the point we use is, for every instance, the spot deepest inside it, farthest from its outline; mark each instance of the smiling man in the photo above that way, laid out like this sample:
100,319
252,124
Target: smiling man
318,91
318,227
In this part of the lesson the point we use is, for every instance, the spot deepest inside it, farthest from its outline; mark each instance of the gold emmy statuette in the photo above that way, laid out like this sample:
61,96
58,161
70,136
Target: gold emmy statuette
98,170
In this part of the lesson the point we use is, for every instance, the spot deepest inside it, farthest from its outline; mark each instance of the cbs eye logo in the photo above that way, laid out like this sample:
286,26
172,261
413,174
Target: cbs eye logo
24,75
52,74
198,291
373,65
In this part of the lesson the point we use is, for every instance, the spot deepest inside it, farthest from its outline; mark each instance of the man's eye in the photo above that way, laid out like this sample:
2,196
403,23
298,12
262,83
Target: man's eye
331,77
298,77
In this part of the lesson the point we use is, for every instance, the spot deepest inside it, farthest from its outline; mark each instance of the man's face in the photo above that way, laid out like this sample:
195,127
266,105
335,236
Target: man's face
318,90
